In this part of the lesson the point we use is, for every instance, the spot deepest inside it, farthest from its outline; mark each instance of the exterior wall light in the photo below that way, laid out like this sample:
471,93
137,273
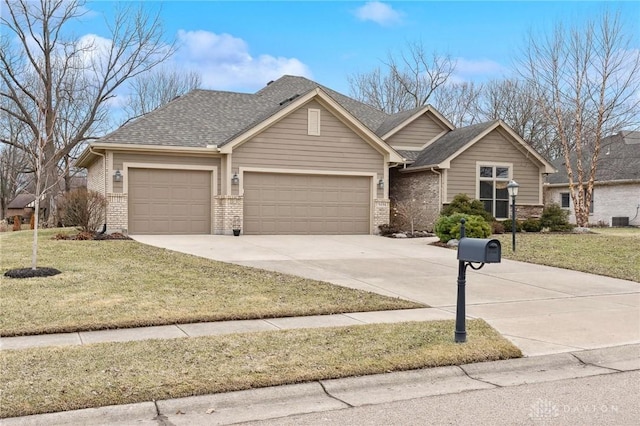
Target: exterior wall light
235,180
381,184
117,176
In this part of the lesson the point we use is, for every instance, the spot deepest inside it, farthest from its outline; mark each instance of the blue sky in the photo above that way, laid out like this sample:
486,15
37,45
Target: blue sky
241,45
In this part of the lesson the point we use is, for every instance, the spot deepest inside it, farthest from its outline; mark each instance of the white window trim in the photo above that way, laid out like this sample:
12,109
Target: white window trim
493,179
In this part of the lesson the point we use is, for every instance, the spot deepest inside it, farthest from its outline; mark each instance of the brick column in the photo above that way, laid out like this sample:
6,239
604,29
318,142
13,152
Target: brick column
226,208
380,213
117,212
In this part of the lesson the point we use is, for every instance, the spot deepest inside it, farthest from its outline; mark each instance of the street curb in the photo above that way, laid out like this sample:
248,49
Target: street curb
329,395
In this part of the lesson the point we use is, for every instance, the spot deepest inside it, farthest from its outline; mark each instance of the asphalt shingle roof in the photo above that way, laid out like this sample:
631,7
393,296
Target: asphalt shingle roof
447,145
394,120
210,117
21,201
409,155
619,159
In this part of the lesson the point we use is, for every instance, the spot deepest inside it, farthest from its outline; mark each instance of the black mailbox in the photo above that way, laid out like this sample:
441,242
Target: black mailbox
479,250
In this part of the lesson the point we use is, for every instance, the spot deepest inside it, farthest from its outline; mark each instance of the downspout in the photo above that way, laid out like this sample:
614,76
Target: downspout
439,189
104,171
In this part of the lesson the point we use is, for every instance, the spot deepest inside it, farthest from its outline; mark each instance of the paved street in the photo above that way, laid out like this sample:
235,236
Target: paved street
601,400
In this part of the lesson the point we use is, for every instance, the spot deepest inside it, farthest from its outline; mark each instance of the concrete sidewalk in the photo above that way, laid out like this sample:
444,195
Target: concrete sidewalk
345,394
543,310
223,327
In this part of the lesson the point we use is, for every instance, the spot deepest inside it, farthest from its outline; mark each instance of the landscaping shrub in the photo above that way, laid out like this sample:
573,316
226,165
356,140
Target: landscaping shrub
531,225
448,227
386,229
16,223
555,218
83,209
497,227
462,203
508,224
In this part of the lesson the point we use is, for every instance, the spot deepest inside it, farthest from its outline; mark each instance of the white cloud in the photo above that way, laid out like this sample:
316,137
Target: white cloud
225,63
379,13
477,70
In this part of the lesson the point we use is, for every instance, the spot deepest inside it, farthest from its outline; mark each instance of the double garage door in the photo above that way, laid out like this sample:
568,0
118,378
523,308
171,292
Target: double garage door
163,201
279,203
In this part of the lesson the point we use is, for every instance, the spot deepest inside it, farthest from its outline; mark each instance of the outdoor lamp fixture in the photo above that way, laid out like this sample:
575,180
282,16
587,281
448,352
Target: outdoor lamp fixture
381,184
512,187
117,176
235,180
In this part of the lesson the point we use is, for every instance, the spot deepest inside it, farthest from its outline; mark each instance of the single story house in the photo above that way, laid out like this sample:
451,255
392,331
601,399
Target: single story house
616,190
298,158
22,205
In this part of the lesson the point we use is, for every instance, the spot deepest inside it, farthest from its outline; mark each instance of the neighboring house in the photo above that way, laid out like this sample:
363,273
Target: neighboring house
297,158
616,190
22,206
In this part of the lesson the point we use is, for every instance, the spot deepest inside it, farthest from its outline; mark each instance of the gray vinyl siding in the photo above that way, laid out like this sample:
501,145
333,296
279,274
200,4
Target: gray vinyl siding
125,157
286,145
417,133
494,148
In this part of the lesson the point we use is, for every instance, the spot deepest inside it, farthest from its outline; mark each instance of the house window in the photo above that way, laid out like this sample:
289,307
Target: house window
564,200
313,122
492,189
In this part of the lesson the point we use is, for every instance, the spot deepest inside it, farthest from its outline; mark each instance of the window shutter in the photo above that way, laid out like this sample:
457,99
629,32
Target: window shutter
313,122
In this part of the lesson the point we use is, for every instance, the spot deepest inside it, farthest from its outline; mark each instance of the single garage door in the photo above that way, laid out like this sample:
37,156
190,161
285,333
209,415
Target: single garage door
165,201
277,203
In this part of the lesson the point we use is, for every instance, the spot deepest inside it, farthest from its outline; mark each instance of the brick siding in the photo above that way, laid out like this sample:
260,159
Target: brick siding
117,213
225,209
422,193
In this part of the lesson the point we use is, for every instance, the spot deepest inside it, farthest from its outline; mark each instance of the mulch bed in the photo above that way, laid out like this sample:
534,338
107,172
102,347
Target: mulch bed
85,236
31,273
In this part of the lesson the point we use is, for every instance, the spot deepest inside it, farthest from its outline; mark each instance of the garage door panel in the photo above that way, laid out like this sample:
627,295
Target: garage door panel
168,201
306,204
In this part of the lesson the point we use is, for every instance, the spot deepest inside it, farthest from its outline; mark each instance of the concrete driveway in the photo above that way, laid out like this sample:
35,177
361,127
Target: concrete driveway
541,309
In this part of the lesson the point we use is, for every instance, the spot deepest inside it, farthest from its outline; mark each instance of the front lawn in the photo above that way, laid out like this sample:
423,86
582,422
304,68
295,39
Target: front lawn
41,380
114,284
610,252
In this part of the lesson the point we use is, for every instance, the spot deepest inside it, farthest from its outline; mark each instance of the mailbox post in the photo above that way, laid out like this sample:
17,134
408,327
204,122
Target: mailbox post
470,251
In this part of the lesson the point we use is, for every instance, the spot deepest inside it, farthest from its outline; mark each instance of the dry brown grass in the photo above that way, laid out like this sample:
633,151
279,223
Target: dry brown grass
114,284
53,379
612,253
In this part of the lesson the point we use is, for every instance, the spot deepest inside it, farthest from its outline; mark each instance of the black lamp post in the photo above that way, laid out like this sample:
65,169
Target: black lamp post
512,187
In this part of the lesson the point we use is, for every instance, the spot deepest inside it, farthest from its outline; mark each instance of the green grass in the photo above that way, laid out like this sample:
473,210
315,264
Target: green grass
609,252
41,380
115,284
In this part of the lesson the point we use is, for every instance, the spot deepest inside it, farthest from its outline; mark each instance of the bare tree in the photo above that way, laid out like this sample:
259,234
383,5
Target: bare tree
410,212
407,80
460,102
13,167
515,102
157,87
59,88
589,78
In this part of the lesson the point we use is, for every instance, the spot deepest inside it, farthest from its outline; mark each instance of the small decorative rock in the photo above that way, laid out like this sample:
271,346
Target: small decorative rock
581,230
399,235
452,243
